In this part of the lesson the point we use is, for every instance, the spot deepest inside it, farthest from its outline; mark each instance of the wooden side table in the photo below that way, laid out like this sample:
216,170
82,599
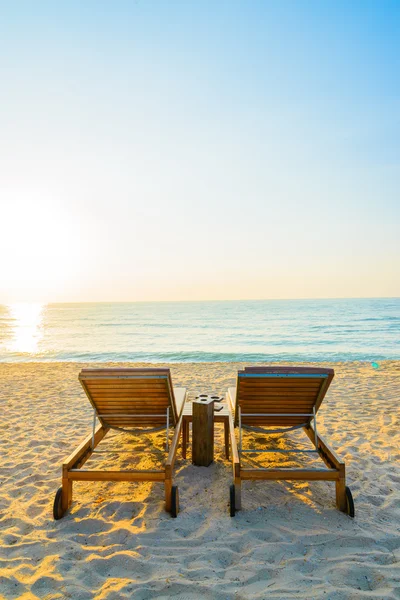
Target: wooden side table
221,416
203,432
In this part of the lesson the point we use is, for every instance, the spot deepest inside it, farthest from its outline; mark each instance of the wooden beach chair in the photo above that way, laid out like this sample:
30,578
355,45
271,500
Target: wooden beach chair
275,400
132,400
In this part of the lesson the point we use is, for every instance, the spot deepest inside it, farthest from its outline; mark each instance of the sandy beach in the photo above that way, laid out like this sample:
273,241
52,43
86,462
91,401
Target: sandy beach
289,541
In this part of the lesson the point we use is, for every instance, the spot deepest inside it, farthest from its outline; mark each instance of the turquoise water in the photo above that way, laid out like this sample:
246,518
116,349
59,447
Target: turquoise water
293,330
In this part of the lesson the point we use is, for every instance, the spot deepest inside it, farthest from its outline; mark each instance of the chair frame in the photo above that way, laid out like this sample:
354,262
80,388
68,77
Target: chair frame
72,466
335,468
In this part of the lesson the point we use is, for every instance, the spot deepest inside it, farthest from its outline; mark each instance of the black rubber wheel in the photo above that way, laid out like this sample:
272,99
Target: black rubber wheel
350,503
174,501
57,506
232,507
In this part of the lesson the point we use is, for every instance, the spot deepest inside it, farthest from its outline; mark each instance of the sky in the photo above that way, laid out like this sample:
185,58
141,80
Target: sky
165,150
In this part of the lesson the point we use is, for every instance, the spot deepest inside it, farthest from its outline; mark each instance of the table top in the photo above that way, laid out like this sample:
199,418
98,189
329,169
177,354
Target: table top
188,409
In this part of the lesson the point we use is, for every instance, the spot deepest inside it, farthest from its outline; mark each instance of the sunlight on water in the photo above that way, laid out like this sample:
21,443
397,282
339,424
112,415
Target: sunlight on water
26,321
252,331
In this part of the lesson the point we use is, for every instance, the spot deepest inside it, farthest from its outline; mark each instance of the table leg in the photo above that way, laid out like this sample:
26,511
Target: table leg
184,438
203,433
226,432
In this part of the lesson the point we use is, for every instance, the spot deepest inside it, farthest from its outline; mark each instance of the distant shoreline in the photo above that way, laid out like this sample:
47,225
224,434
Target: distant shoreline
234,364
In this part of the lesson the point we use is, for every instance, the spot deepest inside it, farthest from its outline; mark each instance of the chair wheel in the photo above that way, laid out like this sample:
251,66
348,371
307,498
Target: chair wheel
349,502
232,507
58,512
174,501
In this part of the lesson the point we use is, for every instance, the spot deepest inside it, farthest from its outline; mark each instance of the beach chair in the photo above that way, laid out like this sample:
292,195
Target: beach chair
130,400
275,400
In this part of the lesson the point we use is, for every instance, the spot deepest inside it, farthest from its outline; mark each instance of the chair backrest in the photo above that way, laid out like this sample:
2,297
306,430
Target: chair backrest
130,397
287,392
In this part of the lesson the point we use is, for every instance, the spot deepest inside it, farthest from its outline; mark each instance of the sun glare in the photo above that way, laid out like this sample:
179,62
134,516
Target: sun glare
26,321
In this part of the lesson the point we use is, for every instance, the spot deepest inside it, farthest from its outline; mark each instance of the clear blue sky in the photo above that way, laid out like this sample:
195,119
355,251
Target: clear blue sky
187,150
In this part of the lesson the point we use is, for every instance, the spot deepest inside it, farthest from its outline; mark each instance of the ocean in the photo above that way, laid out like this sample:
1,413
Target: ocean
248,330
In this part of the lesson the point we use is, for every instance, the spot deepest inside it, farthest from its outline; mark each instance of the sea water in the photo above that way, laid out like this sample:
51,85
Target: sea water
251,330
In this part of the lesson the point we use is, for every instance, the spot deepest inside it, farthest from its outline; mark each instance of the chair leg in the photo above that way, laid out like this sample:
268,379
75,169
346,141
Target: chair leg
66,499
168,490
226,432
184,439
238,493
341,502
235,462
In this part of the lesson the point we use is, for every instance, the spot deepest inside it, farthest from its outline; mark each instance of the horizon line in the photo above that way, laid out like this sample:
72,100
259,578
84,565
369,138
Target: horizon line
202,301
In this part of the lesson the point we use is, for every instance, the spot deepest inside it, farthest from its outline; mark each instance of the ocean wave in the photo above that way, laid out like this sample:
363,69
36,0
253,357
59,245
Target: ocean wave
260,331
197,357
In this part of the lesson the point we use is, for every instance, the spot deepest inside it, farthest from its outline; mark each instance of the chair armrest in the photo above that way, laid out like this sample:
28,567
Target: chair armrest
231,398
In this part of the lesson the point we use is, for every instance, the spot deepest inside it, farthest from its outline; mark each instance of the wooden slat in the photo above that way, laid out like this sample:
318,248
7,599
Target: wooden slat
130,415
275,408
244,404
291,474
260,399
131,402
162,408
263,410
128,393
260,393
136,389
269,422
302,381
132,420
100,384
141,395
128,411
265,416
133,399
134,423
280,383
107,416
275,381
124,370
119,408
115,373
138,383
244,398
83,475
142,387
288,370
265,392
275,400
282,406
137,380
143,420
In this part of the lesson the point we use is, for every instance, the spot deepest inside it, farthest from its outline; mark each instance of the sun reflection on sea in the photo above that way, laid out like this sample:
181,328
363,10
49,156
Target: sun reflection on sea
26,321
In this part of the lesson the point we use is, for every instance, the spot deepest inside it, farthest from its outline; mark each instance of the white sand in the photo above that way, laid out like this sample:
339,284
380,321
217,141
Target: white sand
118,542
